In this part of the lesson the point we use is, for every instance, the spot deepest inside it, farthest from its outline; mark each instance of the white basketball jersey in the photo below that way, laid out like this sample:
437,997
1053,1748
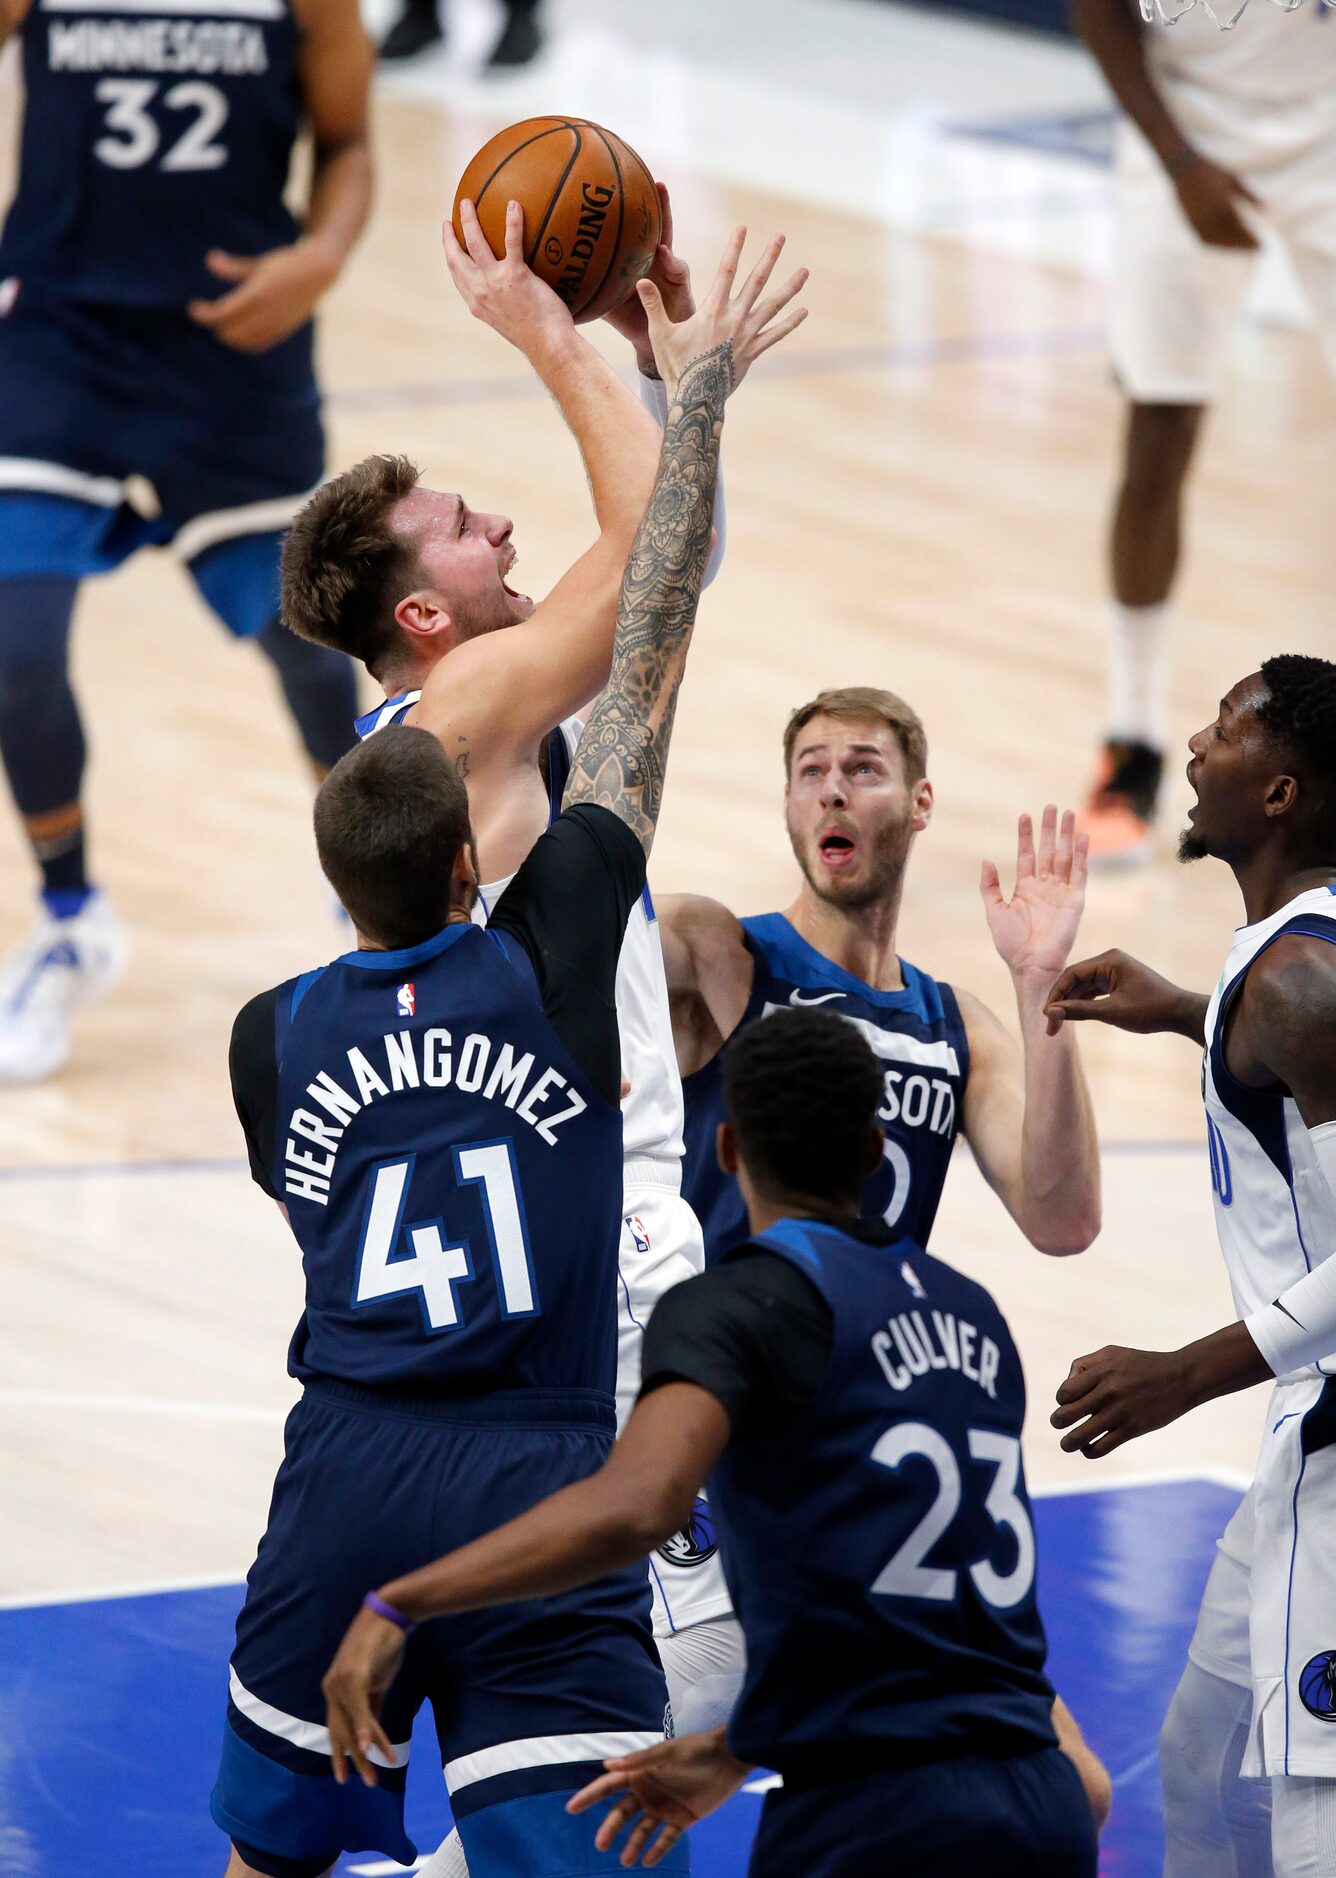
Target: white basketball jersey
1274,1212
652,1112
1265,88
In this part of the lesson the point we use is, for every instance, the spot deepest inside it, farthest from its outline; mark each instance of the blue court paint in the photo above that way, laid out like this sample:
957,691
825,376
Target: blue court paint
111,1711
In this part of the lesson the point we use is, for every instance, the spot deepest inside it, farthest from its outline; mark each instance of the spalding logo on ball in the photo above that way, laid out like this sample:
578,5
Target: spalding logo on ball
592,222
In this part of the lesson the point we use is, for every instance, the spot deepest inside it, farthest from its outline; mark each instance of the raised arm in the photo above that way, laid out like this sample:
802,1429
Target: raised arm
710,972
621,758
1027,1115
1209,195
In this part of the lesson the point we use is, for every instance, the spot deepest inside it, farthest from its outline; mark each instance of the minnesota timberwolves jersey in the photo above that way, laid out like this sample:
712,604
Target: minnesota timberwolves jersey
153,130
1274,1212
452,1176
652,1112
918,1034
879,1545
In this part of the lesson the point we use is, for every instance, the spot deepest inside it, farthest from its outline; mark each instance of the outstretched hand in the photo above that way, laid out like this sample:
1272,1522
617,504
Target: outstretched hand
1115,989
1036,928
672,277
504,294
355,1684
670,1786
744,322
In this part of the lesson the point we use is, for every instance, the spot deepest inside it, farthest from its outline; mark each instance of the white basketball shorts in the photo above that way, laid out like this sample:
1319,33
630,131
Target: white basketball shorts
1175,302
662,1246
1268,1615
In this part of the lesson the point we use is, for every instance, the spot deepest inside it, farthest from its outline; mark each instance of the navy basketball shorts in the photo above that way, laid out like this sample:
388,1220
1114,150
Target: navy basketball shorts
132,427
527,1699
1026,1817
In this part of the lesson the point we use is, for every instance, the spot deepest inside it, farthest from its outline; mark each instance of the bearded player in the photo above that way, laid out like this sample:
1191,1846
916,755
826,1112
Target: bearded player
1251,1722
415,584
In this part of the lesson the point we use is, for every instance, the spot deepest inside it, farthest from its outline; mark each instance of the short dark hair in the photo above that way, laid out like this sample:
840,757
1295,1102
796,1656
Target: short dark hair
854,702
802,1090
390,819
344,570
1299,713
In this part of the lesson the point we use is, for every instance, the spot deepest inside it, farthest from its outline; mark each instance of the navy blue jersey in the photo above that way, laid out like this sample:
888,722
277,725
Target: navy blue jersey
153,130
917,1033
878,1541
442,1126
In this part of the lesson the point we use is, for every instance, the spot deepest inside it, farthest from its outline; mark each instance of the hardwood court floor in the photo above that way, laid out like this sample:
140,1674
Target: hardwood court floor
917,491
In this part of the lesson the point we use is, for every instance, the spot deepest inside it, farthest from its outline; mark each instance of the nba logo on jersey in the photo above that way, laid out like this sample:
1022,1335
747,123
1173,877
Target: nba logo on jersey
911,1278
637,1231
407,1000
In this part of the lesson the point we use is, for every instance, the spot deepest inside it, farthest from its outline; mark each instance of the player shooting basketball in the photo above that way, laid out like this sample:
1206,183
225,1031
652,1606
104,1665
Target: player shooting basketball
1253,1700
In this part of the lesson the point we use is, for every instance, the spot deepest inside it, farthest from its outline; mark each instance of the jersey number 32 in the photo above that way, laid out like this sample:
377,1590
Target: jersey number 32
133,137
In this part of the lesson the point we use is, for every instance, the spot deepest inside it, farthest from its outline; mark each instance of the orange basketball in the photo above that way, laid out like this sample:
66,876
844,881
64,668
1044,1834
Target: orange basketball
591,211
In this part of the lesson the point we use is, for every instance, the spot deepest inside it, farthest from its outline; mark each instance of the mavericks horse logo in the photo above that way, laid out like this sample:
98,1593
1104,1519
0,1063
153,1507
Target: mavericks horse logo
1317,1686
695,1543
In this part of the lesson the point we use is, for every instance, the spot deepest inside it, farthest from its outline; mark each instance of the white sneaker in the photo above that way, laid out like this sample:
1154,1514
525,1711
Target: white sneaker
64,964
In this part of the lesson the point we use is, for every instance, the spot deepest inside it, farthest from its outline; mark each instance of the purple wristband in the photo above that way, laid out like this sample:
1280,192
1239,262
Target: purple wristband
377,1604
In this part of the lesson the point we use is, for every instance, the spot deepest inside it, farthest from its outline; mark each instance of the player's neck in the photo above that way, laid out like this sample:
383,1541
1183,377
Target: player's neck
860,940
1270,881
765,1211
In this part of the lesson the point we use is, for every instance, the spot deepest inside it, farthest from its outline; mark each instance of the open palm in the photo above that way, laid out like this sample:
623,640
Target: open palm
1035,929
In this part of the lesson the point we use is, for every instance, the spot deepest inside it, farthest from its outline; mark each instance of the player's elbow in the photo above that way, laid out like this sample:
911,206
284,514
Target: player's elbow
634,1523
1063,1236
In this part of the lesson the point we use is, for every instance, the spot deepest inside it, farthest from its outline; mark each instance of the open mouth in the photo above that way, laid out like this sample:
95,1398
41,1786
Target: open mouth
835,849
512,592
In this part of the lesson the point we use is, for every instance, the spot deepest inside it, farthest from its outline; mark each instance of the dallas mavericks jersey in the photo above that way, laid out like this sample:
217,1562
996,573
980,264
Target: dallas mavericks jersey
918,1034
484,1255
1274,1212
652,1112
153,130
878,1544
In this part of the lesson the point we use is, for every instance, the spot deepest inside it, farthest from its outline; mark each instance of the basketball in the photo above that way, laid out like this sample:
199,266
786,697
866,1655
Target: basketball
591,211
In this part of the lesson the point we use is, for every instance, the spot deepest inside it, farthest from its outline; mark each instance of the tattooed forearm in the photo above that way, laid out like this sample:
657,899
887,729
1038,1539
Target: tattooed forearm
622,755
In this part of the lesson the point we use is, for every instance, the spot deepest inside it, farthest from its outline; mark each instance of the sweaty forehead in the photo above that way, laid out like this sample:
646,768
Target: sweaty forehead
1242,699
423,510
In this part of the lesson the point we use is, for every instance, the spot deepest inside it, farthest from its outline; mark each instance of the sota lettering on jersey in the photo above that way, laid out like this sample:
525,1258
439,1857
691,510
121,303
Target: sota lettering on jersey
477,1064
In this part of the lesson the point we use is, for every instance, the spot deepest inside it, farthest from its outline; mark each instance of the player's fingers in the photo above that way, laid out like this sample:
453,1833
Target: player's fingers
725,273
618,1816
750,291
230,266
775,303
1081,862
1062,853
1048,832
596,1790
1080,1379
638,1839
515,232
990,883
475,241
773,334
1024,847
665,216
663,1845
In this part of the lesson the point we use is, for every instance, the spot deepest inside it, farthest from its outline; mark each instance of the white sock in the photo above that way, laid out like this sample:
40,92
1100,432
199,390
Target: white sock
447,1861
1138,666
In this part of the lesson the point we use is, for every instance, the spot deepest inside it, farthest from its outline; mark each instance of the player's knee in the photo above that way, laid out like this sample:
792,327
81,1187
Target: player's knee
34,640
1160,438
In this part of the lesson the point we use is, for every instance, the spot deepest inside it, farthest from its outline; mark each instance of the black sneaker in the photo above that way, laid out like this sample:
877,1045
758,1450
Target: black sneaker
416,28
1119,815
520,41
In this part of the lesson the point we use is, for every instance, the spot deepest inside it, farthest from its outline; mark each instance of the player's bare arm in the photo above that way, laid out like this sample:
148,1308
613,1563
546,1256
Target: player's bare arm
621,757
1282,1035
1028,1117
1210,196
272,295
709,971
1113,988
12,15
641,1496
